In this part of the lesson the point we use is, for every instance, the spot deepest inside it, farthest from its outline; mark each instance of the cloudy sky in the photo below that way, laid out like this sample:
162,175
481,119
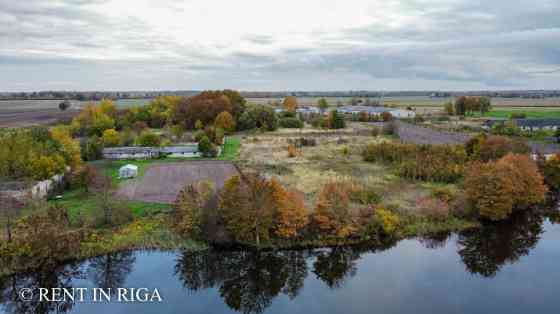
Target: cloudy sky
279,45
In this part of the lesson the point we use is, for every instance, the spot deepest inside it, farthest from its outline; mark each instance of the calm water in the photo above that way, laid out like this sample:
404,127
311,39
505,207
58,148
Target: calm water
513,267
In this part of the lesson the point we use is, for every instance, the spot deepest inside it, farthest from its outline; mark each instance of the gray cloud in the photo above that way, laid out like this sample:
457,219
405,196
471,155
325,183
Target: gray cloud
457,44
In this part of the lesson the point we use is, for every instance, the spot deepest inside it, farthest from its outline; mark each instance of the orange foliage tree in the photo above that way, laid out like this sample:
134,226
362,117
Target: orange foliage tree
332,214
254,209
494,189
290,103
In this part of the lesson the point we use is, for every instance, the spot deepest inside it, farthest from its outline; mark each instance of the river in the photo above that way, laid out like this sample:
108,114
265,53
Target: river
512,267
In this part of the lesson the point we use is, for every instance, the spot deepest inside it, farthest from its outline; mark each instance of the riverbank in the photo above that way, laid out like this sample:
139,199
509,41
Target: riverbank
155,233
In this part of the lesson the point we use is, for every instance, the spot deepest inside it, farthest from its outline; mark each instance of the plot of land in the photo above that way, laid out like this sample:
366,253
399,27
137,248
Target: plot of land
162,181
410,133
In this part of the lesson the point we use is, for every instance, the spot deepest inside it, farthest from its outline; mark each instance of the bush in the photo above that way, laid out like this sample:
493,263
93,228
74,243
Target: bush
383,222
206,148
433,208
518,115
390,128
375,132
291,123
440,163
148,139
292,151
487,148
495,189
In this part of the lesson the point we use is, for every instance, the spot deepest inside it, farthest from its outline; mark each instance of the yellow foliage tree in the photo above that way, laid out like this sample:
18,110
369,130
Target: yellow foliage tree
188,208
224,121
45,167
111,138
71,147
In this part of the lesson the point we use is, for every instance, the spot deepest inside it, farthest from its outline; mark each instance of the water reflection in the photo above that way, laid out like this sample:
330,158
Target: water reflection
485,251
250,281
61,277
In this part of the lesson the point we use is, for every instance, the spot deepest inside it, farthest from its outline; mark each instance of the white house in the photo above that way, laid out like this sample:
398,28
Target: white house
128,171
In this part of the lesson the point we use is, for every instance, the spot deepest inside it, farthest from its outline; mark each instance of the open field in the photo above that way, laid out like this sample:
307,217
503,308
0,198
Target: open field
409,133
21,113
335,157
530,112
162,182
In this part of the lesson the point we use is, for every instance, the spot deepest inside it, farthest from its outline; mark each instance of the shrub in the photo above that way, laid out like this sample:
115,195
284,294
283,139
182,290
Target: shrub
148,139
390,128
433,208
292,151
518,115
495,189
291,123
444,194
375,132
486,148
332,215
384,221
206,148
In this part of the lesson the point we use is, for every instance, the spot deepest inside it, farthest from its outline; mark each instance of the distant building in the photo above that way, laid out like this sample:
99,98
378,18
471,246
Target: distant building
131,153
128,171
527,124
397,113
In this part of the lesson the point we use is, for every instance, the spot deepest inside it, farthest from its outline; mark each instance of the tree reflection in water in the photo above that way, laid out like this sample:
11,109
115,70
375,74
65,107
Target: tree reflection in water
248,281
110,271
61,277
485,251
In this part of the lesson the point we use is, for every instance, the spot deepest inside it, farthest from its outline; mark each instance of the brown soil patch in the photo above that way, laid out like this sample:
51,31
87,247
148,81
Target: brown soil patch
162,182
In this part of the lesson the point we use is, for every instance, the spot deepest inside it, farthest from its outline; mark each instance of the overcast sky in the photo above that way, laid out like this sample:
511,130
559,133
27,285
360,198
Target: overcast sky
279,45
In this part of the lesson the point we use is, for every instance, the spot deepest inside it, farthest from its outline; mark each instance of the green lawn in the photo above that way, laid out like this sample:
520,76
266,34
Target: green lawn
231,148
77,201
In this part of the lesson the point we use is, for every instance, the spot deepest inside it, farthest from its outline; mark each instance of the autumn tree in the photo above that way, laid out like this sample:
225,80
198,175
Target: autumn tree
485,148
205,107
448,108
332,214
255,209
495,189
336,120
225,121
189,206
93,120
111,138
71,150
551,172
290,104
84,177
290,214
461,106
247,207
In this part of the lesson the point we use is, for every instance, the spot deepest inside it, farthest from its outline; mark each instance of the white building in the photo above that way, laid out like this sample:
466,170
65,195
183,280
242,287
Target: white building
128,171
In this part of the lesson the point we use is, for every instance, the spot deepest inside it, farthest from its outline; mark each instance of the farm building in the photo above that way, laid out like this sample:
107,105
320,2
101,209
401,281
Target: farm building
128,171
397,113
131,153
190,150
184,151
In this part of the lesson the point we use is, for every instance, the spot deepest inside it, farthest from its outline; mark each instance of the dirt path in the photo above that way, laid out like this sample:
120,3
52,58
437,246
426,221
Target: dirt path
162,182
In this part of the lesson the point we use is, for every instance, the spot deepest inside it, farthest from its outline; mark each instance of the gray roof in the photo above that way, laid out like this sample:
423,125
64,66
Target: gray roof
180,149
129,150
370,110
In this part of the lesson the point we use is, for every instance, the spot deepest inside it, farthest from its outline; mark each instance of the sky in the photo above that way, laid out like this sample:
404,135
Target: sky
263,45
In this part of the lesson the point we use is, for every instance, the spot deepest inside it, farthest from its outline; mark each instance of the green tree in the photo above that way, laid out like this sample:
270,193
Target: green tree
148,139
336,120
323,105
111,138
